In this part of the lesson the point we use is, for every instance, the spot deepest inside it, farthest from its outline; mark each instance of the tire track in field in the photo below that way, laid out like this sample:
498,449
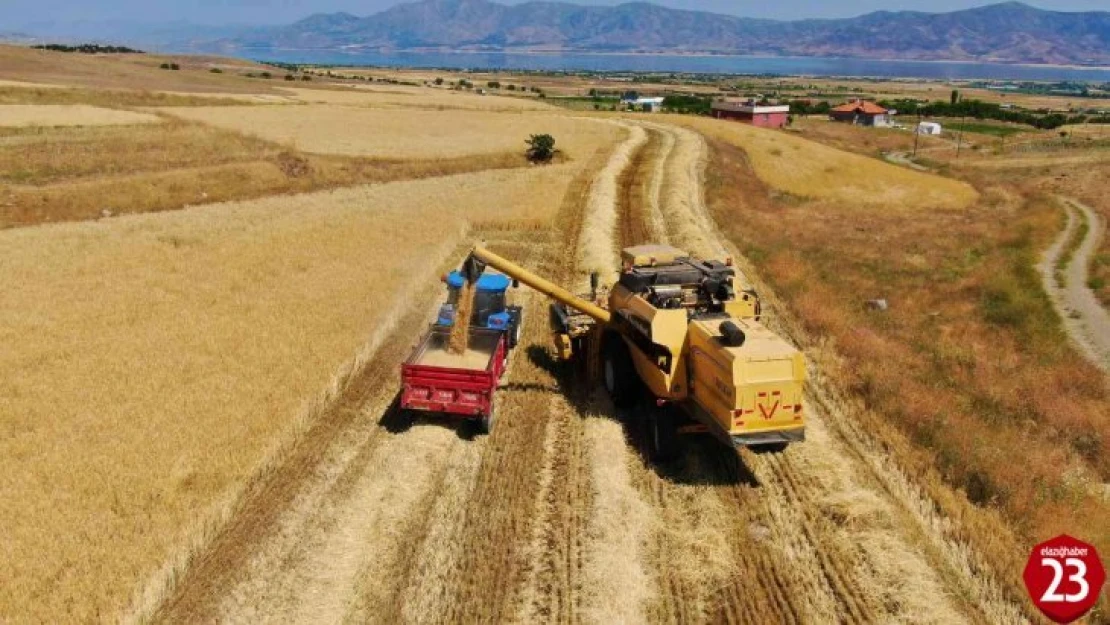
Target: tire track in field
896,547
509,545
812,542
234,575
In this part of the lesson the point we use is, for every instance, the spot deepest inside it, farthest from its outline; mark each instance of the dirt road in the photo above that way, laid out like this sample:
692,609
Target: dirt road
557,516
1085,319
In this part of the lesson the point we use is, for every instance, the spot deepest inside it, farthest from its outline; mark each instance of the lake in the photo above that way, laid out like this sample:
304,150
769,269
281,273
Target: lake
786,66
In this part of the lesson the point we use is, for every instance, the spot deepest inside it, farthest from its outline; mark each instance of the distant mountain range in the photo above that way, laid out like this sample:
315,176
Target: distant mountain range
1010,32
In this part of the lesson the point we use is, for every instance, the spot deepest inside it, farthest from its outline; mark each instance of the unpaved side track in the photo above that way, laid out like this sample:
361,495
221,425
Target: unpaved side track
1085,319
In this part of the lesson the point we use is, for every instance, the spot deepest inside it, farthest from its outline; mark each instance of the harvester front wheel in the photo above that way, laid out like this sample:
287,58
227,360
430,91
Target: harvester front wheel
662,434
619,373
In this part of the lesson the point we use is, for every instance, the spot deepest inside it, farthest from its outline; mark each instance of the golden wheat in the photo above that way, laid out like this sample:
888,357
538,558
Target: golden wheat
408,134
812,170
156,358
597,249
416,98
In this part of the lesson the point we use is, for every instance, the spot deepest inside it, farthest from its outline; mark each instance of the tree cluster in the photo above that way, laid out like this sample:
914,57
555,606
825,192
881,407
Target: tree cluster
88,48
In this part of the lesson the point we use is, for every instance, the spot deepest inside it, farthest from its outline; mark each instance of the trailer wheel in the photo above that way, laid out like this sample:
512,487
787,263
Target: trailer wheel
487,422
662,434
619,373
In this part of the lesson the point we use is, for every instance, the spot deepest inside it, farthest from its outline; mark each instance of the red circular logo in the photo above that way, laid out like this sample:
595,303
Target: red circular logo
1064,577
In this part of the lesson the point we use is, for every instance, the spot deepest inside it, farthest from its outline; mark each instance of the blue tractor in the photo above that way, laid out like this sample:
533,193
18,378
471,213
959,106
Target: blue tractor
490,308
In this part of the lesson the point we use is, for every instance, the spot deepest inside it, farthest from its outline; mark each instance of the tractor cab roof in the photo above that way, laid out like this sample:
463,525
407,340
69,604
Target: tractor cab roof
487,282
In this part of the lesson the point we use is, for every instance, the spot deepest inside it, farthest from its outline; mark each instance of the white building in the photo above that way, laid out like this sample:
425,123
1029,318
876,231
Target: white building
648,105
928,128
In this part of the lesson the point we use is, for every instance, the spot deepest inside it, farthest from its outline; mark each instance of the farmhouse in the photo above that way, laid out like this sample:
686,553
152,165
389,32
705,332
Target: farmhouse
751,113
862,113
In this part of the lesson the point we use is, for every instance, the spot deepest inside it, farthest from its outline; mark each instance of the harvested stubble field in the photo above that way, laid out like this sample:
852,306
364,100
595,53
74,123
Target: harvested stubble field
331,129
172,352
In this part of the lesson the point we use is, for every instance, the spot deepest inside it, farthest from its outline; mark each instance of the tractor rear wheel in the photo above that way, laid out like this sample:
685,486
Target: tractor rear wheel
662,434
514,334
620,374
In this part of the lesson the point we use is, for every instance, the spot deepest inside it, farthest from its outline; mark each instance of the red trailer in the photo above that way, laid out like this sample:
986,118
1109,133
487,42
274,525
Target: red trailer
436,380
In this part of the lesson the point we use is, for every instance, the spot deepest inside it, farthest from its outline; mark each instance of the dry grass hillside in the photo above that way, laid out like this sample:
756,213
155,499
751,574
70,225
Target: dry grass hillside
128,71
970,361
177,352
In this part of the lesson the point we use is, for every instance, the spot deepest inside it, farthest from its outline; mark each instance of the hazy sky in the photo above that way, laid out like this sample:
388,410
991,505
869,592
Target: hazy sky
16,13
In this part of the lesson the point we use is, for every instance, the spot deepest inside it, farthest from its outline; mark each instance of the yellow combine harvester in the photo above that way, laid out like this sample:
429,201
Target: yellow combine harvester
675,333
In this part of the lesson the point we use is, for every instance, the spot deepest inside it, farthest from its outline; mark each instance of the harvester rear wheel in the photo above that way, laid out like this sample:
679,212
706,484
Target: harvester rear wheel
619,373
769,448
662,434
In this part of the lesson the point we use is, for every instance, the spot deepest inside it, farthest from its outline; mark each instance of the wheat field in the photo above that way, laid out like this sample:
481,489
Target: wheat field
415,98
24,115
170,351
808,169
330,129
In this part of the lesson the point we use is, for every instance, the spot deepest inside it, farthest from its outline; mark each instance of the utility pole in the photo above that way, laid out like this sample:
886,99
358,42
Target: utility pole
916,134
960,138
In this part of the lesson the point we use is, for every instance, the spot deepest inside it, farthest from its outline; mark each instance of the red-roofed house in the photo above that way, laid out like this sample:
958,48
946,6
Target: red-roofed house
861,112
752,113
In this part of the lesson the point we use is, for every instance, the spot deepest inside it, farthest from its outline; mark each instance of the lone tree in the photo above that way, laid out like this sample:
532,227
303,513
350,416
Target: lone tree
541,148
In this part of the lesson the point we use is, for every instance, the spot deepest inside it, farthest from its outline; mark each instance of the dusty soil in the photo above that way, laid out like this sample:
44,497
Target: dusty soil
1086,320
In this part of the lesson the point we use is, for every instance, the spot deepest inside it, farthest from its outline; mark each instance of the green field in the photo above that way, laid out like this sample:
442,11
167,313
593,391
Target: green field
984,129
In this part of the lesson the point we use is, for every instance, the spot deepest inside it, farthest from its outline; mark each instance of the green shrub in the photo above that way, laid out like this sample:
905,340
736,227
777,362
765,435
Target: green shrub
541,148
